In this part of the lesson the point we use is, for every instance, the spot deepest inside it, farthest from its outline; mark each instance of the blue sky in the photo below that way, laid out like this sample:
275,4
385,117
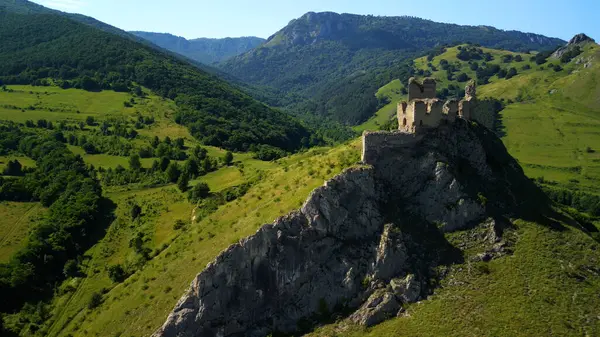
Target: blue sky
222,18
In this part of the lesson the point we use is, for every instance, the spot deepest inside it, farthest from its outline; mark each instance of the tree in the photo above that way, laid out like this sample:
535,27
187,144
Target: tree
518,58
71,268
191,167
198,192
13,168
116,273
135,211
228,158
164,163
462,77
199,152
95,301
179,143
89,148
183,182
90,121
134,163
154,142
173,172
511,73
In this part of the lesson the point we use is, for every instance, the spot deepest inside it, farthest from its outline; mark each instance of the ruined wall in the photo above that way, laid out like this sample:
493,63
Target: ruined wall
417,90
376,142
423,110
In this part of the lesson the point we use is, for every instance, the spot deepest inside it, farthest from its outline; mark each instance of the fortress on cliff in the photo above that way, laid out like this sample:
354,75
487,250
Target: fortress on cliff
424,110
421,113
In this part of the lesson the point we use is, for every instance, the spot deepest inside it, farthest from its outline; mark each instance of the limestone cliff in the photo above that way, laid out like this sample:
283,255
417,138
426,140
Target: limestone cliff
367,241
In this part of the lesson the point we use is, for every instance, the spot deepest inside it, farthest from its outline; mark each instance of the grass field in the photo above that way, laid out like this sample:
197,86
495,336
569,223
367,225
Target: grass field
24,102
16,219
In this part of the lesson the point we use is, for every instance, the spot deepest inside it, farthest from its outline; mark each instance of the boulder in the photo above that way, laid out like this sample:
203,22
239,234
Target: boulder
379,307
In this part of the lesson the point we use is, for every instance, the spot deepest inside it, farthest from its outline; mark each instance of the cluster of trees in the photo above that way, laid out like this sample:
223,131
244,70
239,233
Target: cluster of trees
164,170
468,53
63,183
36,47
581,201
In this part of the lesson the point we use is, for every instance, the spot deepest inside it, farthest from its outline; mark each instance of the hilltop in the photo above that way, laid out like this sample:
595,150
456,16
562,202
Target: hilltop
203,50
332,64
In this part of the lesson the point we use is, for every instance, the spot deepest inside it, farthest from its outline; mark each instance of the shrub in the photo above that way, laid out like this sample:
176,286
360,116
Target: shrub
116,273
95,301
179,224
198,192
228,158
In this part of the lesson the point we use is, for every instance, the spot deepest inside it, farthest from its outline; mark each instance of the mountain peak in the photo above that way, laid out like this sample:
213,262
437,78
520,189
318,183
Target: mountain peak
580,38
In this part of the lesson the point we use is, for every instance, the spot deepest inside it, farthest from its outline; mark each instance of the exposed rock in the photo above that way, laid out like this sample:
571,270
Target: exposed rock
353,235
379,307
408,289
578,39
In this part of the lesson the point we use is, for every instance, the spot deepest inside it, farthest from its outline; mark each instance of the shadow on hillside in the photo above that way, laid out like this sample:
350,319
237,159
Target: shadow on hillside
499,128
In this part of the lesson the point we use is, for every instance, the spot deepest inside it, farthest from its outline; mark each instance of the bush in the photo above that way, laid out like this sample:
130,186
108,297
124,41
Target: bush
135,211
183,182
179,224
116,273
198,192
71,268
228,158
95,301
90,121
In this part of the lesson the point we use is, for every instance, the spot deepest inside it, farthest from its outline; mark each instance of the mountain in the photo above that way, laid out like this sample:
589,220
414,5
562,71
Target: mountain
38,48
340,60
203,50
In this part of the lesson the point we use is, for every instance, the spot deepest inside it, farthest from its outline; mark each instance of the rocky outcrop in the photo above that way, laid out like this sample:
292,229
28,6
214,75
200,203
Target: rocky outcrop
577,40
365,241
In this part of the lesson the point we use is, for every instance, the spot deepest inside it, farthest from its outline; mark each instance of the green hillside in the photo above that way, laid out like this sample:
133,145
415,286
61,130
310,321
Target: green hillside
44,49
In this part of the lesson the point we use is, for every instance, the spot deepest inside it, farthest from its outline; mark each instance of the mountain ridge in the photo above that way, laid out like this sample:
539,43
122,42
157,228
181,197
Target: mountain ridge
332,64
205,50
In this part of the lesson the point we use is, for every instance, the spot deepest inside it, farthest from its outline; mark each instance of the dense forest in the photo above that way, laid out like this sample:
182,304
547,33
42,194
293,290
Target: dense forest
330,64
39,48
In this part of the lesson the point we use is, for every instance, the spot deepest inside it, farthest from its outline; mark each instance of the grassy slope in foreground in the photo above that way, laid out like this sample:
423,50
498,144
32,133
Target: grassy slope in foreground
139,305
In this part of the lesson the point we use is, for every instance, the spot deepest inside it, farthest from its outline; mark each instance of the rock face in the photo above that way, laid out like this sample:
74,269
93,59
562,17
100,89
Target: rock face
578,39
367,240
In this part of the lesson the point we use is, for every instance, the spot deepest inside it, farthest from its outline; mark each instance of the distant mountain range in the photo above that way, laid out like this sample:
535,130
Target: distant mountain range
203,50
339,60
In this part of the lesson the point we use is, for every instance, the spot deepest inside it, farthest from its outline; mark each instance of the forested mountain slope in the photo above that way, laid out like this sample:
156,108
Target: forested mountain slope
50,48
203,50
340,60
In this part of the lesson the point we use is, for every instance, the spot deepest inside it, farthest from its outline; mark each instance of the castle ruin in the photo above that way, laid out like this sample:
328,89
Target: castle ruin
421,113
424,110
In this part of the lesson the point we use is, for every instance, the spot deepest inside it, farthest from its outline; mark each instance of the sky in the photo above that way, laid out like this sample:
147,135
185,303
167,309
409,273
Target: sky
262,18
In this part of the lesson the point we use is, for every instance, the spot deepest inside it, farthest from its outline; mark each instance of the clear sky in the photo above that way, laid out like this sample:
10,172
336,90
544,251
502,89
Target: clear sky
223,18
